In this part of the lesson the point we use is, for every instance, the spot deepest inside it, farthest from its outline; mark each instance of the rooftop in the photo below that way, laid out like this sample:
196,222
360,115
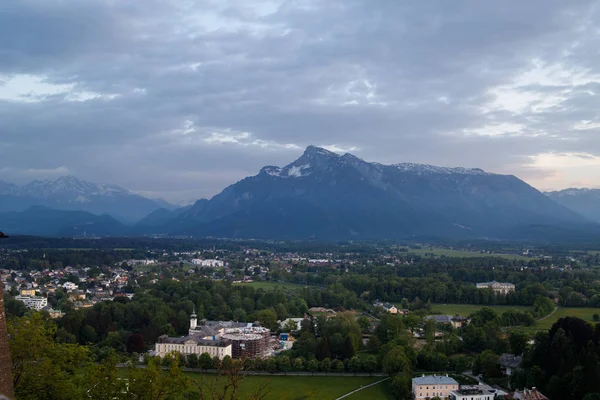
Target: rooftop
196,339
510,360
471,390
434,380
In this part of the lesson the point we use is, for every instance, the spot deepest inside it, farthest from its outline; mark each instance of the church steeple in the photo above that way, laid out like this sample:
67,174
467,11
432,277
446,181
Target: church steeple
193,319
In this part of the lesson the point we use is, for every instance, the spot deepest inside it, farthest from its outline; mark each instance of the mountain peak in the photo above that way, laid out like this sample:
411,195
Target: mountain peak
319,151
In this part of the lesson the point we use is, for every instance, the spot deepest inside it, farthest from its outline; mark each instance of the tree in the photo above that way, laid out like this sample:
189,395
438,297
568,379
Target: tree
268,319
152,384
430,326
396,361
326,365
489,363
364,323
41,367
225,385
355,364
312,365
518,342
400,386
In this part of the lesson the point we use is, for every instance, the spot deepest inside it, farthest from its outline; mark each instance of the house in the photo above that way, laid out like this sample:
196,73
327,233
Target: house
460,322
27,292
457,321
69,286
502,288
426,387
297,321
471,393
388,307
509,362
527,394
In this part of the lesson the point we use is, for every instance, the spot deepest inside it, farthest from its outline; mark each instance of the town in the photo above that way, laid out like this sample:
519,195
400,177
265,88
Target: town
462,336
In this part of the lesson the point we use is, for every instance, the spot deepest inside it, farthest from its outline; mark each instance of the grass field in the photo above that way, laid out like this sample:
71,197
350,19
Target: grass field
438,252
379,391
545,324
269,285
306,387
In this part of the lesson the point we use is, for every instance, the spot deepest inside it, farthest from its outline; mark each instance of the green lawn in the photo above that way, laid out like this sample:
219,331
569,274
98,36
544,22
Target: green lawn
379,391
545,324
305,387
467,309
438,252
269,285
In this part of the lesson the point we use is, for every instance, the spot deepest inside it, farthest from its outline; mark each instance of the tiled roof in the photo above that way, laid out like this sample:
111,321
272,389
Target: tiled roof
434,380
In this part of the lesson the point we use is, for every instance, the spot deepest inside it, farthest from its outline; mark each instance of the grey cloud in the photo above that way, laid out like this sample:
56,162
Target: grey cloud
400,81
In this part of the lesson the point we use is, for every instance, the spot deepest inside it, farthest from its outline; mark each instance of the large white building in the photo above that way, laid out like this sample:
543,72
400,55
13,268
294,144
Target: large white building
208,263
427,387
33,302
193,345
498,287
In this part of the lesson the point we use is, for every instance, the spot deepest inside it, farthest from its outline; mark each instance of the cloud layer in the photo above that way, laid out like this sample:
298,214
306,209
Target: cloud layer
181,98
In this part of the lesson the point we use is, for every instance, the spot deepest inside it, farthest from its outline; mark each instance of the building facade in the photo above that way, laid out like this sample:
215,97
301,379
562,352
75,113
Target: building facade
471,393
502,288
249,342
33,302
218,339
427,387
27,292
193,345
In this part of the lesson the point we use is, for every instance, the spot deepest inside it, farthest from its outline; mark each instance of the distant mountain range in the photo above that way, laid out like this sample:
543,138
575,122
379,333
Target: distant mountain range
70,193
326,196
319,196
583,201
43,221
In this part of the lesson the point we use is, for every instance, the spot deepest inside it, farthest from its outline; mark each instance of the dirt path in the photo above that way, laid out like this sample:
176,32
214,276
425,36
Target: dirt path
361,388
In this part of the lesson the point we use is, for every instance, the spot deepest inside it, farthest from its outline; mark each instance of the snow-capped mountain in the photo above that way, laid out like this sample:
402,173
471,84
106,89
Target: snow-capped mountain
71,193
583,201
329,196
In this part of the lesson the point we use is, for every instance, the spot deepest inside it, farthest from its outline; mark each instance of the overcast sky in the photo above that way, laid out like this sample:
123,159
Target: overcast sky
180,98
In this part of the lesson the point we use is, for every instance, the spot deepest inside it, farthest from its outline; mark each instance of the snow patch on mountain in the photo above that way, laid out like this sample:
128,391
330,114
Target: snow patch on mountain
422,169
298,171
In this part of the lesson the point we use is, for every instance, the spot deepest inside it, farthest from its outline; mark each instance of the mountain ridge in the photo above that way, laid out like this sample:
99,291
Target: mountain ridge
72,193
330,196
584,201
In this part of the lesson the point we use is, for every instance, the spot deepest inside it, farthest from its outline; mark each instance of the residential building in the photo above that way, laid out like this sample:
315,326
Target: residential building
388,307
27,292
502,288
527,394
427,387
208,263
33,302
471,393
456,321
508,363
296,321
193,345
69,286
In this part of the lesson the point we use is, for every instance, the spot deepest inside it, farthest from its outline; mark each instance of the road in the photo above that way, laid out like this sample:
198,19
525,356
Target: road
549,315
361,388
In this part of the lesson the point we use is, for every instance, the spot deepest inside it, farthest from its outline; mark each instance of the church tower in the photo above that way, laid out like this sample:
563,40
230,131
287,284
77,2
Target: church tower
193,320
